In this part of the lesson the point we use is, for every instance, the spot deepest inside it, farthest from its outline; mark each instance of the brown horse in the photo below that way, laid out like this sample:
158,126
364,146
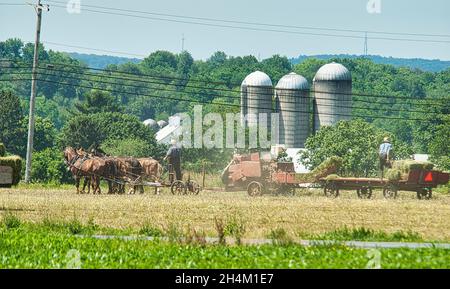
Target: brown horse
72,160
100,168
151,170
92,168
129,170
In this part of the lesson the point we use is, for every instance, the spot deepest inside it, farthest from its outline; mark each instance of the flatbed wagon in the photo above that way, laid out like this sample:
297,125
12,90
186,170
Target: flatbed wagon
420,181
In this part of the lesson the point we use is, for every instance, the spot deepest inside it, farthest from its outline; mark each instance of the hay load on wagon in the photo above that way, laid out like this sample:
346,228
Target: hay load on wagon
10,168
327,168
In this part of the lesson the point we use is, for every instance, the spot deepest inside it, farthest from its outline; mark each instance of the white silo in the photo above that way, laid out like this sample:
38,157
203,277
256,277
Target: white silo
292,99
151,123
256,97
332,88
162,123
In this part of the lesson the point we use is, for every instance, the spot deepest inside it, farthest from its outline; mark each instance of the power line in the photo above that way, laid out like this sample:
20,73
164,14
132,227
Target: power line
257,29
212,103
13,4
227,96
93,49
259,23
237,91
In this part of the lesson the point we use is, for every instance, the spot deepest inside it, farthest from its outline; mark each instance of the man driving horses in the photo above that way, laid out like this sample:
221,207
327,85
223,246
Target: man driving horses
174,157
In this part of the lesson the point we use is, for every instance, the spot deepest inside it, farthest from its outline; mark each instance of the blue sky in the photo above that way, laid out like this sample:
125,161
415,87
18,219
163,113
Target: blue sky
143,36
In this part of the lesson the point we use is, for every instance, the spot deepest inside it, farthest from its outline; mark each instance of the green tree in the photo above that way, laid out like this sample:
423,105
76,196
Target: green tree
85,130
276,66
439,146
11,131
44,133
48,167
98,101
133,148
11,48
356,142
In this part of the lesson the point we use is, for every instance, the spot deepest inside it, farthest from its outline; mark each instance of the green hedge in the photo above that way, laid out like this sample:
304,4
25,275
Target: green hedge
2,150
16,163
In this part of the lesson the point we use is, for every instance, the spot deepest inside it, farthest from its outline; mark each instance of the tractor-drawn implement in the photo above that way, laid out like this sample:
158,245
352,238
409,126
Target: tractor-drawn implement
258,173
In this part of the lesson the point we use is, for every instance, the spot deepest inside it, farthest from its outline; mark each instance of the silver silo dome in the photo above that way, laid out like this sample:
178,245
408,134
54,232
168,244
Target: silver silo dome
292,98
151,123
162,123
332,87
256,97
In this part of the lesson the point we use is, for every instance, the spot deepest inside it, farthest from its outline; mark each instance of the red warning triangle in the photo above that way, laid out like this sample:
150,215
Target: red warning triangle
428,177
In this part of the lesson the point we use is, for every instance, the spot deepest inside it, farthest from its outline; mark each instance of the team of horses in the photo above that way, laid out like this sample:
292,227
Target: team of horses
116,171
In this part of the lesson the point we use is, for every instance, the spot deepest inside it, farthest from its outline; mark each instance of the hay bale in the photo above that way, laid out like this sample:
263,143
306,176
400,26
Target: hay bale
405,166
15,162
2,150
332,177
393,174
327,167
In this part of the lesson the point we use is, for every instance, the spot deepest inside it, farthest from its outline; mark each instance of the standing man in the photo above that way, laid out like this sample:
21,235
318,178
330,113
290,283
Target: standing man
384,154
174,157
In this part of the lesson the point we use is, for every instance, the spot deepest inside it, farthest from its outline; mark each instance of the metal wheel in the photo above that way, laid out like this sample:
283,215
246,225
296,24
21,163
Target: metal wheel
286,190
424,194
364,193
178,188
390,192
331,190
193,187
254,189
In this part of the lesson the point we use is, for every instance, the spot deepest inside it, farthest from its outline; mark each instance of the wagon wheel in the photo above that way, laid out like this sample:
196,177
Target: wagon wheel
364,193
331,190
254,189
178,188
286,190
424,194
390,192
193,187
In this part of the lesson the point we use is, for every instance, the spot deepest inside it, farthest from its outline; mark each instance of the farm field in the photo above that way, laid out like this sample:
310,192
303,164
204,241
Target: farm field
302,216
38,246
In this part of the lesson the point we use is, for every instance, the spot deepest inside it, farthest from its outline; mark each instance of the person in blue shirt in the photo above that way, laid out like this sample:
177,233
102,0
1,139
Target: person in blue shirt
385,154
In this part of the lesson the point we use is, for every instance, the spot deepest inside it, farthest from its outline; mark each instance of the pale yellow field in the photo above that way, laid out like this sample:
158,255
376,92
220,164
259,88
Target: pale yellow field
306,213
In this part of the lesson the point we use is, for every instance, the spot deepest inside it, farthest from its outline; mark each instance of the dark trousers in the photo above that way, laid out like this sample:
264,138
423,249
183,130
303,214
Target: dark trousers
383,163
176,167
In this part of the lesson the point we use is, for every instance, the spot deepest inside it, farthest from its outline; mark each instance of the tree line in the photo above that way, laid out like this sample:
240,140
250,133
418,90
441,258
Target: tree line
83,107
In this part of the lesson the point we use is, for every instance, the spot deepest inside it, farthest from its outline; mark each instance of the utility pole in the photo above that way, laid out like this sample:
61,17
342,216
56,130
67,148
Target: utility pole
38,7
182,42
365,45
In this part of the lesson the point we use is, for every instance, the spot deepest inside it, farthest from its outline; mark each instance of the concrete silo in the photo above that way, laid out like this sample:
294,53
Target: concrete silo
162,123
151,123
292,99
256,97
332,87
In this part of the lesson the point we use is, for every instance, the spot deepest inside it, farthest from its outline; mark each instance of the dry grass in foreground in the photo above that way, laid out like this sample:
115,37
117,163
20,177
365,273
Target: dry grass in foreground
307,213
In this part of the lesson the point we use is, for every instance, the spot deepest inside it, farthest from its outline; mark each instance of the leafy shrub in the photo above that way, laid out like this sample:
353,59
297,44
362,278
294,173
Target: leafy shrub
11,221
279,236
235,227
129,147
149,230
48,167
2,150
75,227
